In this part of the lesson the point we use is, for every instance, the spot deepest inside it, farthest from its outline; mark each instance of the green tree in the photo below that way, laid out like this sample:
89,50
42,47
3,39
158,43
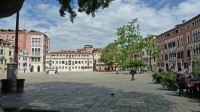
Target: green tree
90,7
152,49
138,63
109,54
129,41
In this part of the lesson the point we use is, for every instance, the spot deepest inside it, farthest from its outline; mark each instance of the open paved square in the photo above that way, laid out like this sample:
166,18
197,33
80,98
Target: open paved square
90,92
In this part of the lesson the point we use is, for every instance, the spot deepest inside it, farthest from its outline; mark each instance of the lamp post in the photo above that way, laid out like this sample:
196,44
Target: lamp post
12,68
16,39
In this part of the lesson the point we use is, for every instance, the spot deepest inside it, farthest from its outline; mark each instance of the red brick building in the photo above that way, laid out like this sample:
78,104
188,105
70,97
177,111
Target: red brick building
180,45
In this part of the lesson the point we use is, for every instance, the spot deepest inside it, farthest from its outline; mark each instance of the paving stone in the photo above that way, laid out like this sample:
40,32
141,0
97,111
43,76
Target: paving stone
90,92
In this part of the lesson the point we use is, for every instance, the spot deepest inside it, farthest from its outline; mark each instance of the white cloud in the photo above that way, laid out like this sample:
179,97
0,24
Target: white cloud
100,30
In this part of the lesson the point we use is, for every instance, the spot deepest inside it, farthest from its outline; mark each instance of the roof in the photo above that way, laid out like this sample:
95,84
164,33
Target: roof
180,25
10,31
69,53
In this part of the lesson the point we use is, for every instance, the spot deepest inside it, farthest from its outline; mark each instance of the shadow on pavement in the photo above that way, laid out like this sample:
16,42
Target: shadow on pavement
81,97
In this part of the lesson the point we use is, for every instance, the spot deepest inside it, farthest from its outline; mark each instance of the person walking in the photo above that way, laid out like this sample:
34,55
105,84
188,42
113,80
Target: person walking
132,73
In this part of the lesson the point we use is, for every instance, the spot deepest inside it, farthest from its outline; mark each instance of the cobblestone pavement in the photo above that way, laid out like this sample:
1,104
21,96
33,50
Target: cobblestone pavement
90,92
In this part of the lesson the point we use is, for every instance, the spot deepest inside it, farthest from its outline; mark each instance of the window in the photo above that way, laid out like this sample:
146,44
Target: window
1,52
33,52
187,26
1,61
188,39
10,52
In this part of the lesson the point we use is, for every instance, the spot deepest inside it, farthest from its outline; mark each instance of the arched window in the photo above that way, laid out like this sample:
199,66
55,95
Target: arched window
38,51
33,52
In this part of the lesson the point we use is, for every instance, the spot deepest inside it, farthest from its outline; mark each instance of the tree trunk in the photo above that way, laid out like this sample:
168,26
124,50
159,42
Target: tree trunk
150,61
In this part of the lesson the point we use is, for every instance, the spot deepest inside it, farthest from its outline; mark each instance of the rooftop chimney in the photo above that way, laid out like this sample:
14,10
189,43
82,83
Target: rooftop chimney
183,21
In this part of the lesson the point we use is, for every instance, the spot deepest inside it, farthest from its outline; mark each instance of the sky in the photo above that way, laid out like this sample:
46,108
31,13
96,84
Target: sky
155,17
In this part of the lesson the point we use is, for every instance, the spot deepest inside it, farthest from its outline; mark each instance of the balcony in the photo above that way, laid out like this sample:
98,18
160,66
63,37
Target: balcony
34,55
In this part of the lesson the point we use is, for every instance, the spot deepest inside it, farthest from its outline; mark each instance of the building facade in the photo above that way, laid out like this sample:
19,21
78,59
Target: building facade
98,64
69,61
6,54
24,62
180,45
37,45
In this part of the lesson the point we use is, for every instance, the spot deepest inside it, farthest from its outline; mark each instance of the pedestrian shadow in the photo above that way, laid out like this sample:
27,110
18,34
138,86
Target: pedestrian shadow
83,97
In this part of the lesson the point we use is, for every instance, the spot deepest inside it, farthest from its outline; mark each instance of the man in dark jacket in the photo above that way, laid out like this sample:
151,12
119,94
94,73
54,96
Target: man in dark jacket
132,72
182,83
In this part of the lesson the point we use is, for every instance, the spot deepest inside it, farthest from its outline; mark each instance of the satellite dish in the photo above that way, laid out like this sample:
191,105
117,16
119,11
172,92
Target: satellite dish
10,7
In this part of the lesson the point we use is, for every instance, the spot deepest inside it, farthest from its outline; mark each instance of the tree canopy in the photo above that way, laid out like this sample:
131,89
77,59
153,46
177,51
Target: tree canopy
129,41
138,63
109,54
90,7
152,49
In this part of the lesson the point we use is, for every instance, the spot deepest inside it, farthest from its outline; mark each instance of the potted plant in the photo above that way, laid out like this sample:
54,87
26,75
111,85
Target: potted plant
156,77
169,81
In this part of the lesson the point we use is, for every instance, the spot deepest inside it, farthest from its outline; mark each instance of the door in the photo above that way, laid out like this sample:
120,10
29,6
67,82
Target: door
38,68
179,66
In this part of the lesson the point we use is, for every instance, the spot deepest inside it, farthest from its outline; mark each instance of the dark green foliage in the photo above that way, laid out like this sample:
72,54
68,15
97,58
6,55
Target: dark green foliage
110,54
156,77
169,80
87,6
138,63
196,69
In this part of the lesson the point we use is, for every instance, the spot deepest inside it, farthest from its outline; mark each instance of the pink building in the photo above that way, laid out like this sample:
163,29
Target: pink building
37,45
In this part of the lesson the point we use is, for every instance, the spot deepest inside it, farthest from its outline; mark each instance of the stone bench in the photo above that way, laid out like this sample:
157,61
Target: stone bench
52,72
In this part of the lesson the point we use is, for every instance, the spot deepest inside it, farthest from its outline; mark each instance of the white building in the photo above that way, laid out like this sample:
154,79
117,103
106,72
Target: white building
69,61
24,62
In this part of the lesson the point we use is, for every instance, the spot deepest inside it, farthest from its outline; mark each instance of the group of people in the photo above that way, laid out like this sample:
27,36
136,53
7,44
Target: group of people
182,79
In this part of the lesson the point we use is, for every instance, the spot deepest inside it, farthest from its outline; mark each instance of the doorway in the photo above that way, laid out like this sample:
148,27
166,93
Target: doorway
38,68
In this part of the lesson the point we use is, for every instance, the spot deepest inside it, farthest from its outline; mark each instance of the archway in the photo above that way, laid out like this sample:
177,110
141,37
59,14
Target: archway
32,68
